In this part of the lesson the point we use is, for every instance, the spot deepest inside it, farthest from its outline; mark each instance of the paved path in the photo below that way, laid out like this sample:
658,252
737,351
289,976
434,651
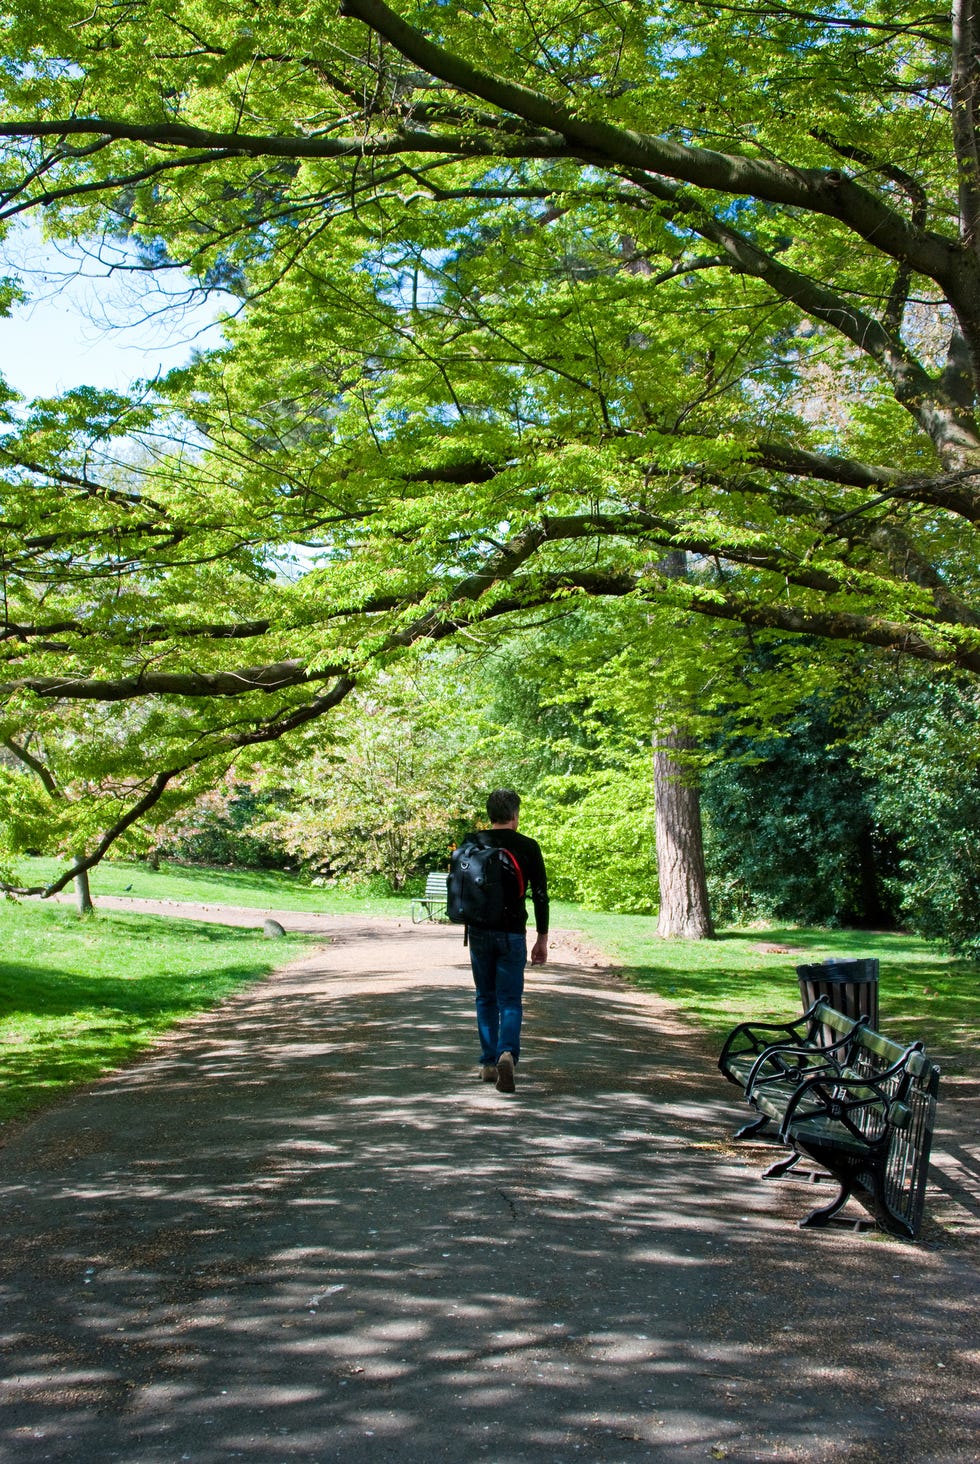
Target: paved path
301,1230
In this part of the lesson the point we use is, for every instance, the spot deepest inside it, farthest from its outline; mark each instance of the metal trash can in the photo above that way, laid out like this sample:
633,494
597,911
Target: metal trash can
850,987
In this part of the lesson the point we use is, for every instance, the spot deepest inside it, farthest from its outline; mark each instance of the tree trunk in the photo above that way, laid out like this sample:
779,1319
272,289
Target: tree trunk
685,911
83,895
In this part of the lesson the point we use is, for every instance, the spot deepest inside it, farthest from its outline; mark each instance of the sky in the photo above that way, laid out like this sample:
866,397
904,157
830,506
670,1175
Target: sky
86,326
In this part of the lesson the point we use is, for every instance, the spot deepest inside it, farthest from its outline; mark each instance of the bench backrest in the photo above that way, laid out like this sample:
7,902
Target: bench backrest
435,886
884,1048
826,1027
822,1014
884,1054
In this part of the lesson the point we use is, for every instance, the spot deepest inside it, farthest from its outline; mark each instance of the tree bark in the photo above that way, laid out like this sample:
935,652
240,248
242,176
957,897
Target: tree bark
83,894
685,910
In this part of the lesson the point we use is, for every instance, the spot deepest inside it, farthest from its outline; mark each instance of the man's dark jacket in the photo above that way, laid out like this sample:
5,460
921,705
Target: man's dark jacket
527,852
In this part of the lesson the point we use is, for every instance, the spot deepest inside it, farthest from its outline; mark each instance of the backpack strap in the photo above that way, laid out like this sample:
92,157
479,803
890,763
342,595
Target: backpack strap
517,869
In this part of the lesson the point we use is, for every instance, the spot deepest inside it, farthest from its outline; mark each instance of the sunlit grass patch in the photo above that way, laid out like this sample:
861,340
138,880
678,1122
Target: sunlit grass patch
254,889
751,975
80,997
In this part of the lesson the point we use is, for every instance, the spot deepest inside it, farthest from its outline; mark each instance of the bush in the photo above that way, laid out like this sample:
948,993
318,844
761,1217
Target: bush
923,761
598,835
790,832
225,828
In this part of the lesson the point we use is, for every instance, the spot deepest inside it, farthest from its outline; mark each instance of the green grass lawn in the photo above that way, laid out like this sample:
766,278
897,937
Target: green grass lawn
80,997
923,994
254,889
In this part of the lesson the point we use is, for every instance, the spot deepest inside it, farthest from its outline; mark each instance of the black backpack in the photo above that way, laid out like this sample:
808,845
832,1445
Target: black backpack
486,886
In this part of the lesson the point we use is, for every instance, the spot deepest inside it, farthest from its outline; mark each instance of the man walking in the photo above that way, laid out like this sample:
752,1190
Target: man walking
497,936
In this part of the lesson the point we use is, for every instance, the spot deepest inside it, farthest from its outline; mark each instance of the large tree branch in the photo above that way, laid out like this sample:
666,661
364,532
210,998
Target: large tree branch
277,727
716,603
828,19
138,636
908,637
825,191
868,630
136,811
952,491
219,146
954,435
88,487
43,772
667,534
281,675
949,615
276,677
905,560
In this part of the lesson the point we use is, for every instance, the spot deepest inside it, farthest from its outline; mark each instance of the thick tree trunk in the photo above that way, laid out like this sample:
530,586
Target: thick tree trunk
83,895
685,911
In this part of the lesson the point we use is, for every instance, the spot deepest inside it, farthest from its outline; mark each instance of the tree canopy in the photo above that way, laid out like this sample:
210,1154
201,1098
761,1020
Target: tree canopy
521,298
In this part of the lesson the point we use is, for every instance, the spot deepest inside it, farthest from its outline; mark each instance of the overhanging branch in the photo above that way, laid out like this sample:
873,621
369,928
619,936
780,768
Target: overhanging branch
818,190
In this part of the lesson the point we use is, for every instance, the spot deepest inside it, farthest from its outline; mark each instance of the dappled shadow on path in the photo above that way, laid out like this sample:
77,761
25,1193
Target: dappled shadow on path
306,1230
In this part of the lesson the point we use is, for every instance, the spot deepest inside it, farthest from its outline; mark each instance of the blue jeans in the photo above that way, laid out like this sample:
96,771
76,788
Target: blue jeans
498,959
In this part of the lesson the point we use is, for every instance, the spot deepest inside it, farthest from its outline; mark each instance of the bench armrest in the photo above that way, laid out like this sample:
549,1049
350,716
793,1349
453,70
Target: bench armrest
842,1098
781,1062
826,1055
746,1037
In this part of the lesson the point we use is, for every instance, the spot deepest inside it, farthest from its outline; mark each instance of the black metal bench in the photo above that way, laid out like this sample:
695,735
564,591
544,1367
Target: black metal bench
805,1042
862,1108
431,905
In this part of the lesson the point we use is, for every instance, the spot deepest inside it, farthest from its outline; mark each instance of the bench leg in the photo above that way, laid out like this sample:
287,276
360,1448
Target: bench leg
898,1225
781,1167
755,1127
818,1218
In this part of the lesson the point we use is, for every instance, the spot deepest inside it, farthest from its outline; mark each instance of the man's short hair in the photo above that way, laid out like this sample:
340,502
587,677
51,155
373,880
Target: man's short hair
503,805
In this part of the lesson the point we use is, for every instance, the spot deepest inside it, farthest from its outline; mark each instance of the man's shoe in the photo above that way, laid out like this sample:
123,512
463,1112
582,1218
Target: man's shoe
488,1072
505,1073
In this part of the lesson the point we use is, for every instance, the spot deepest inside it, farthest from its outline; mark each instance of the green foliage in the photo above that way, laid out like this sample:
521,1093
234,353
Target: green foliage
597,832
582,697
220,828
922,761
507,332
561,735
390,794
864,810
791,831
